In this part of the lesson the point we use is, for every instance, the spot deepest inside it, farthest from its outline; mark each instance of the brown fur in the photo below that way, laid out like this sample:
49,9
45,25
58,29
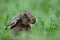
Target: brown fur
23,22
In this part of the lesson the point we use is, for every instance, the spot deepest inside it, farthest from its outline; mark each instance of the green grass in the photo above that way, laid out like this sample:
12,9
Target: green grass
47,13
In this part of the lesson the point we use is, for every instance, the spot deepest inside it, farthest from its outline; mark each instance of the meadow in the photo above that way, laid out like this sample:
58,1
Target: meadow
47,13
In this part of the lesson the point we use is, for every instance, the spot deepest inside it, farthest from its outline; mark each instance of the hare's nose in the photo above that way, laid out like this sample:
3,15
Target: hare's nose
34,21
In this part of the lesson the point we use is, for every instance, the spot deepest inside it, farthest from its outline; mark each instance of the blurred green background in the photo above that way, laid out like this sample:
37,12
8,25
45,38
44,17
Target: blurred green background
47,13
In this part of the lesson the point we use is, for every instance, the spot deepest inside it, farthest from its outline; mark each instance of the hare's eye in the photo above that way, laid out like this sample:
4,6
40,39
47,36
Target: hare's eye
26,15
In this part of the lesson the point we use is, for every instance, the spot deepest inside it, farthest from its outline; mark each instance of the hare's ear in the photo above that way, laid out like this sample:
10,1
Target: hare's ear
13,23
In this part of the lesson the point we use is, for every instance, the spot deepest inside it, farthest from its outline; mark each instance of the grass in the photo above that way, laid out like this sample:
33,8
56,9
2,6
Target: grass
47,13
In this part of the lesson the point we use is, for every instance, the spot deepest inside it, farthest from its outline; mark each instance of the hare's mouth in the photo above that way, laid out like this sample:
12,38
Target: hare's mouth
34,21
